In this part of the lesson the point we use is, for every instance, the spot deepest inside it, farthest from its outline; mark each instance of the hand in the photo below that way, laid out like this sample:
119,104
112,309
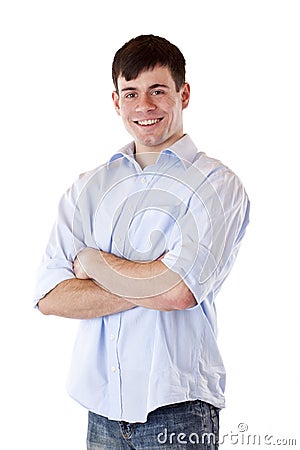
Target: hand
79,270
81,263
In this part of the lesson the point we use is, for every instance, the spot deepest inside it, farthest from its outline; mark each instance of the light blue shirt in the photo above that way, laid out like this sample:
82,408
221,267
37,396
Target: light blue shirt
187,206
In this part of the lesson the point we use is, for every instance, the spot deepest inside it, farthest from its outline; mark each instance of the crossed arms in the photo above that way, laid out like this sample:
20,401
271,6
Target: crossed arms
106,284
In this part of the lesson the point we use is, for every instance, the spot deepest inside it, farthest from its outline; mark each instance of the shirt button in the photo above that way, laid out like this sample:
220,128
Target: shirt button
112,337
113,369
143,180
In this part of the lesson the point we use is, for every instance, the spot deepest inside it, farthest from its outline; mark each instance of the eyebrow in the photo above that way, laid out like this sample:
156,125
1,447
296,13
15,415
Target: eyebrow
153,86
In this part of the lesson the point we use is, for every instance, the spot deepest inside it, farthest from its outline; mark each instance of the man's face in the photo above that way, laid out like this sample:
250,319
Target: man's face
151,108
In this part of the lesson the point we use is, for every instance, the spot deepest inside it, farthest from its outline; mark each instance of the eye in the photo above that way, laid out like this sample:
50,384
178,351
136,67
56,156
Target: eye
157,92
130,95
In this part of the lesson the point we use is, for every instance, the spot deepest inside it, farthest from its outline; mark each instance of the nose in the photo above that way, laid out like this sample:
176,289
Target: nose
145,103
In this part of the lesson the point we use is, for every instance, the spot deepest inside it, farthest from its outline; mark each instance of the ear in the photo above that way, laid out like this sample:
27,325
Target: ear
185,95
115,98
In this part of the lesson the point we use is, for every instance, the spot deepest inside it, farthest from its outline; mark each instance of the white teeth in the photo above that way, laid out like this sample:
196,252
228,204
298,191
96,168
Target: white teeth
148,122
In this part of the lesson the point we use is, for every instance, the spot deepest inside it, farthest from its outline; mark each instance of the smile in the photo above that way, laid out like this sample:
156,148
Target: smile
146,123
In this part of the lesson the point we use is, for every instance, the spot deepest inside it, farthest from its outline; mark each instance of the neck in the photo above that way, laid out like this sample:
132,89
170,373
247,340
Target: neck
146,156
145,159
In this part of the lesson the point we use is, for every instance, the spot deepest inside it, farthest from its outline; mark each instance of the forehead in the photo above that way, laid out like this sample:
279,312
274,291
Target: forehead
159,75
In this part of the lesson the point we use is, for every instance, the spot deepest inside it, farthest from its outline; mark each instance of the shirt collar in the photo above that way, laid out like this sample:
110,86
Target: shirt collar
126,151
184,149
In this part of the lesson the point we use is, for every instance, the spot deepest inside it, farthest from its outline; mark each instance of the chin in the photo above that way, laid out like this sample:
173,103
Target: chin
151,141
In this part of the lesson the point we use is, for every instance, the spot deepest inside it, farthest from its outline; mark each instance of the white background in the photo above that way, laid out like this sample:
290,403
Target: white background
57,120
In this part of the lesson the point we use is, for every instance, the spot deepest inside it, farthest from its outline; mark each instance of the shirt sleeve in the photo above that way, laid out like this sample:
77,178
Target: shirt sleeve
204,249
65,242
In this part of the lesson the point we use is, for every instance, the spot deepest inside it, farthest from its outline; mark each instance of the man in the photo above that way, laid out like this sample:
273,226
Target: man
141,247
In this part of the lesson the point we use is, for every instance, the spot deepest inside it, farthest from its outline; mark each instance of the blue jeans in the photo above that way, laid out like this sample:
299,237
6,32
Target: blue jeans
187,425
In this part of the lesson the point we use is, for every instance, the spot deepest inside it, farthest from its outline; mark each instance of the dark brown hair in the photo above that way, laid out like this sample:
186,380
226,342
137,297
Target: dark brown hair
144,53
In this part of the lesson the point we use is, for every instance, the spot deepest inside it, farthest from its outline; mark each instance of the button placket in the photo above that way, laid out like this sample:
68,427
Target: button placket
113,352
113,324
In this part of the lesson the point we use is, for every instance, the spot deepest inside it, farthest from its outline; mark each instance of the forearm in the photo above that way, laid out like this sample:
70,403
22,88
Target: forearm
82,299
148,284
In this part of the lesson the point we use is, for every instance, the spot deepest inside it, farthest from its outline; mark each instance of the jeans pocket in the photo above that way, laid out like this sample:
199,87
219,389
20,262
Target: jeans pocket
208,420
92,431
214,415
